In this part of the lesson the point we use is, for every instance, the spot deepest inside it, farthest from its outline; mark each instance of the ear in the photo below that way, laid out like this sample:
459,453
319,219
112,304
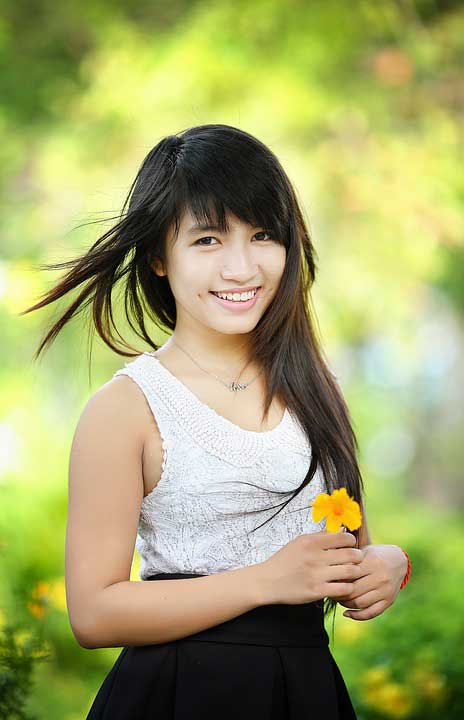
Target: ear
158,267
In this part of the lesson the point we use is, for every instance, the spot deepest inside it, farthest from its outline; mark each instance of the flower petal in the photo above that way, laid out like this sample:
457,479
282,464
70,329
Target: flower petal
334,523
341,494
322,505
352,517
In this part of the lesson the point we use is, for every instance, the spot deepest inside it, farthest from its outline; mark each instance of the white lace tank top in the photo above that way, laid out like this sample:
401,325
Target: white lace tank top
199,516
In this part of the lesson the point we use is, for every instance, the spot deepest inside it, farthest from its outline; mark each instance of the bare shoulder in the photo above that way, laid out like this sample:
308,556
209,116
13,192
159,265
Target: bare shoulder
121,402
124,392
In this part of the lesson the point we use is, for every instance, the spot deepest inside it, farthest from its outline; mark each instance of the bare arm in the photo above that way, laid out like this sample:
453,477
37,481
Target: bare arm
141,613
106,608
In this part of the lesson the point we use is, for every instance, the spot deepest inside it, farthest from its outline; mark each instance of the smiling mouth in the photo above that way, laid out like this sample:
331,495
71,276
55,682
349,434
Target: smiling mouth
237,300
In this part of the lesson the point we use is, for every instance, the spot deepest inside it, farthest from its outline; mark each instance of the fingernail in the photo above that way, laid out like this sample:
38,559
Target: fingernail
346,614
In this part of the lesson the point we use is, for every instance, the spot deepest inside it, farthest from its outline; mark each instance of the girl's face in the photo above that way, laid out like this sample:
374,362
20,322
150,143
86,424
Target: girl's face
203,260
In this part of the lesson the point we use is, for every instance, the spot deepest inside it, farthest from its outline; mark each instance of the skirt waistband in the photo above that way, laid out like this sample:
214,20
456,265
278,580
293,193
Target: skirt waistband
280,624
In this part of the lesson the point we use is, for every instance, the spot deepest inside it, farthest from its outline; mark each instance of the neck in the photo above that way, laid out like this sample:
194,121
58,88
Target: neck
220,353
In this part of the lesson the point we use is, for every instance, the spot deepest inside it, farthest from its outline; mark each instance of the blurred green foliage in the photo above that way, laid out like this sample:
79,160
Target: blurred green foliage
408,662
363,103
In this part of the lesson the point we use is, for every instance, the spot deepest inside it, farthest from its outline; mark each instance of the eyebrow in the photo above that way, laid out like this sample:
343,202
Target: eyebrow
203,228
206,228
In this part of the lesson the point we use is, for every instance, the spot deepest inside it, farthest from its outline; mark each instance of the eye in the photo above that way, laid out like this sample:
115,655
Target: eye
198,242
209,237
264,232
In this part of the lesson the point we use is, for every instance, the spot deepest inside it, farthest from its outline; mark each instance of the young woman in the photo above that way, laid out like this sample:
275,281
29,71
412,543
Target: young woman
207,451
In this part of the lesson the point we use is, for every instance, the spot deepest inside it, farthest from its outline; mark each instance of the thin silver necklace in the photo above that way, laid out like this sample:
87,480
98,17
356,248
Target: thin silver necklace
232,386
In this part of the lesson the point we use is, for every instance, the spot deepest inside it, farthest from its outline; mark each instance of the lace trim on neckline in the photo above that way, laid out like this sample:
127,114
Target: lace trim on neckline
195,400
213,431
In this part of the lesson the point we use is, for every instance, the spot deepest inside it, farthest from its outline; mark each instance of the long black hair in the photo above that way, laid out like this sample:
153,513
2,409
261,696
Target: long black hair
212,170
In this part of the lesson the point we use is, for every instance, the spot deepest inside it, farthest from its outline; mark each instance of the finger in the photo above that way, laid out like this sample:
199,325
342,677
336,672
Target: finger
339,540
357,602
361,602
340,556
367,613
363,585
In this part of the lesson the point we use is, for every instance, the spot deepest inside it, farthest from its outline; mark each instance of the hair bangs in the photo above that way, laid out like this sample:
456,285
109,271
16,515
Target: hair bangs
212,186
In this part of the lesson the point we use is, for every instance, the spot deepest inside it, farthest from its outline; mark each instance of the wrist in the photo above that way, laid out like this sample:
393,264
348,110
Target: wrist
407,568
261,584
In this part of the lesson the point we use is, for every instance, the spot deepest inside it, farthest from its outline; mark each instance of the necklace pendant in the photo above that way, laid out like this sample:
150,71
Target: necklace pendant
236,386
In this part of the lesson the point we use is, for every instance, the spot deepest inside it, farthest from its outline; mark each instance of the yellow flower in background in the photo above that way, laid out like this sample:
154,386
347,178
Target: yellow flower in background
47,595
391,699
40,600
381,692
57,593
429,684
376,676
339,508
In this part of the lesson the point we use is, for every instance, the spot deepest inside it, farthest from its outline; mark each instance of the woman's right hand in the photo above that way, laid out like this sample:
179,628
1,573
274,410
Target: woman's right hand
310,567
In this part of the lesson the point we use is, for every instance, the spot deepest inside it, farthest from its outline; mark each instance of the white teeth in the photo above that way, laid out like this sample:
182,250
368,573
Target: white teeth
237,296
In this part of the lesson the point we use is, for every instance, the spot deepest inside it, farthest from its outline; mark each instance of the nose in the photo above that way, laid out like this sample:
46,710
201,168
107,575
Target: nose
239,265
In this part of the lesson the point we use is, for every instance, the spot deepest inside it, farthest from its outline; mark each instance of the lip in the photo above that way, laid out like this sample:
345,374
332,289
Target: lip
235,306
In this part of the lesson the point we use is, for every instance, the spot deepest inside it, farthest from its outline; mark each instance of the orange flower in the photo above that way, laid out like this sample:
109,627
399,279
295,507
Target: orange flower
340,509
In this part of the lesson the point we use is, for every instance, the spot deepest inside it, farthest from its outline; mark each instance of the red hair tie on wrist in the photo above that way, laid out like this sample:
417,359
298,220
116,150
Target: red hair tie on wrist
408,571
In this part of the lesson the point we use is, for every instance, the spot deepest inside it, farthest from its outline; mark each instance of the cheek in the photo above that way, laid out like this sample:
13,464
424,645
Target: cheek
185,276
190,285
275,264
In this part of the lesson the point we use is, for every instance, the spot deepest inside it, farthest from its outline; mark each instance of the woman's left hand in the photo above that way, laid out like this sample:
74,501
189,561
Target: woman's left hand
384,568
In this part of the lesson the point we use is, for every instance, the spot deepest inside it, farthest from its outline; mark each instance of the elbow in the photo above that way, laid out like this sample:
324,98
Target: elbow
91,626
85,634
86,641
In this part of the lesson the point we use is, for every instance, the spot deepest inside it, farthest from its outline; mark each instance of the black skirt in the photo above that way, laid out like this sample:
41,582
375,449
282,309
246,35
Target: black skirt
270,663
